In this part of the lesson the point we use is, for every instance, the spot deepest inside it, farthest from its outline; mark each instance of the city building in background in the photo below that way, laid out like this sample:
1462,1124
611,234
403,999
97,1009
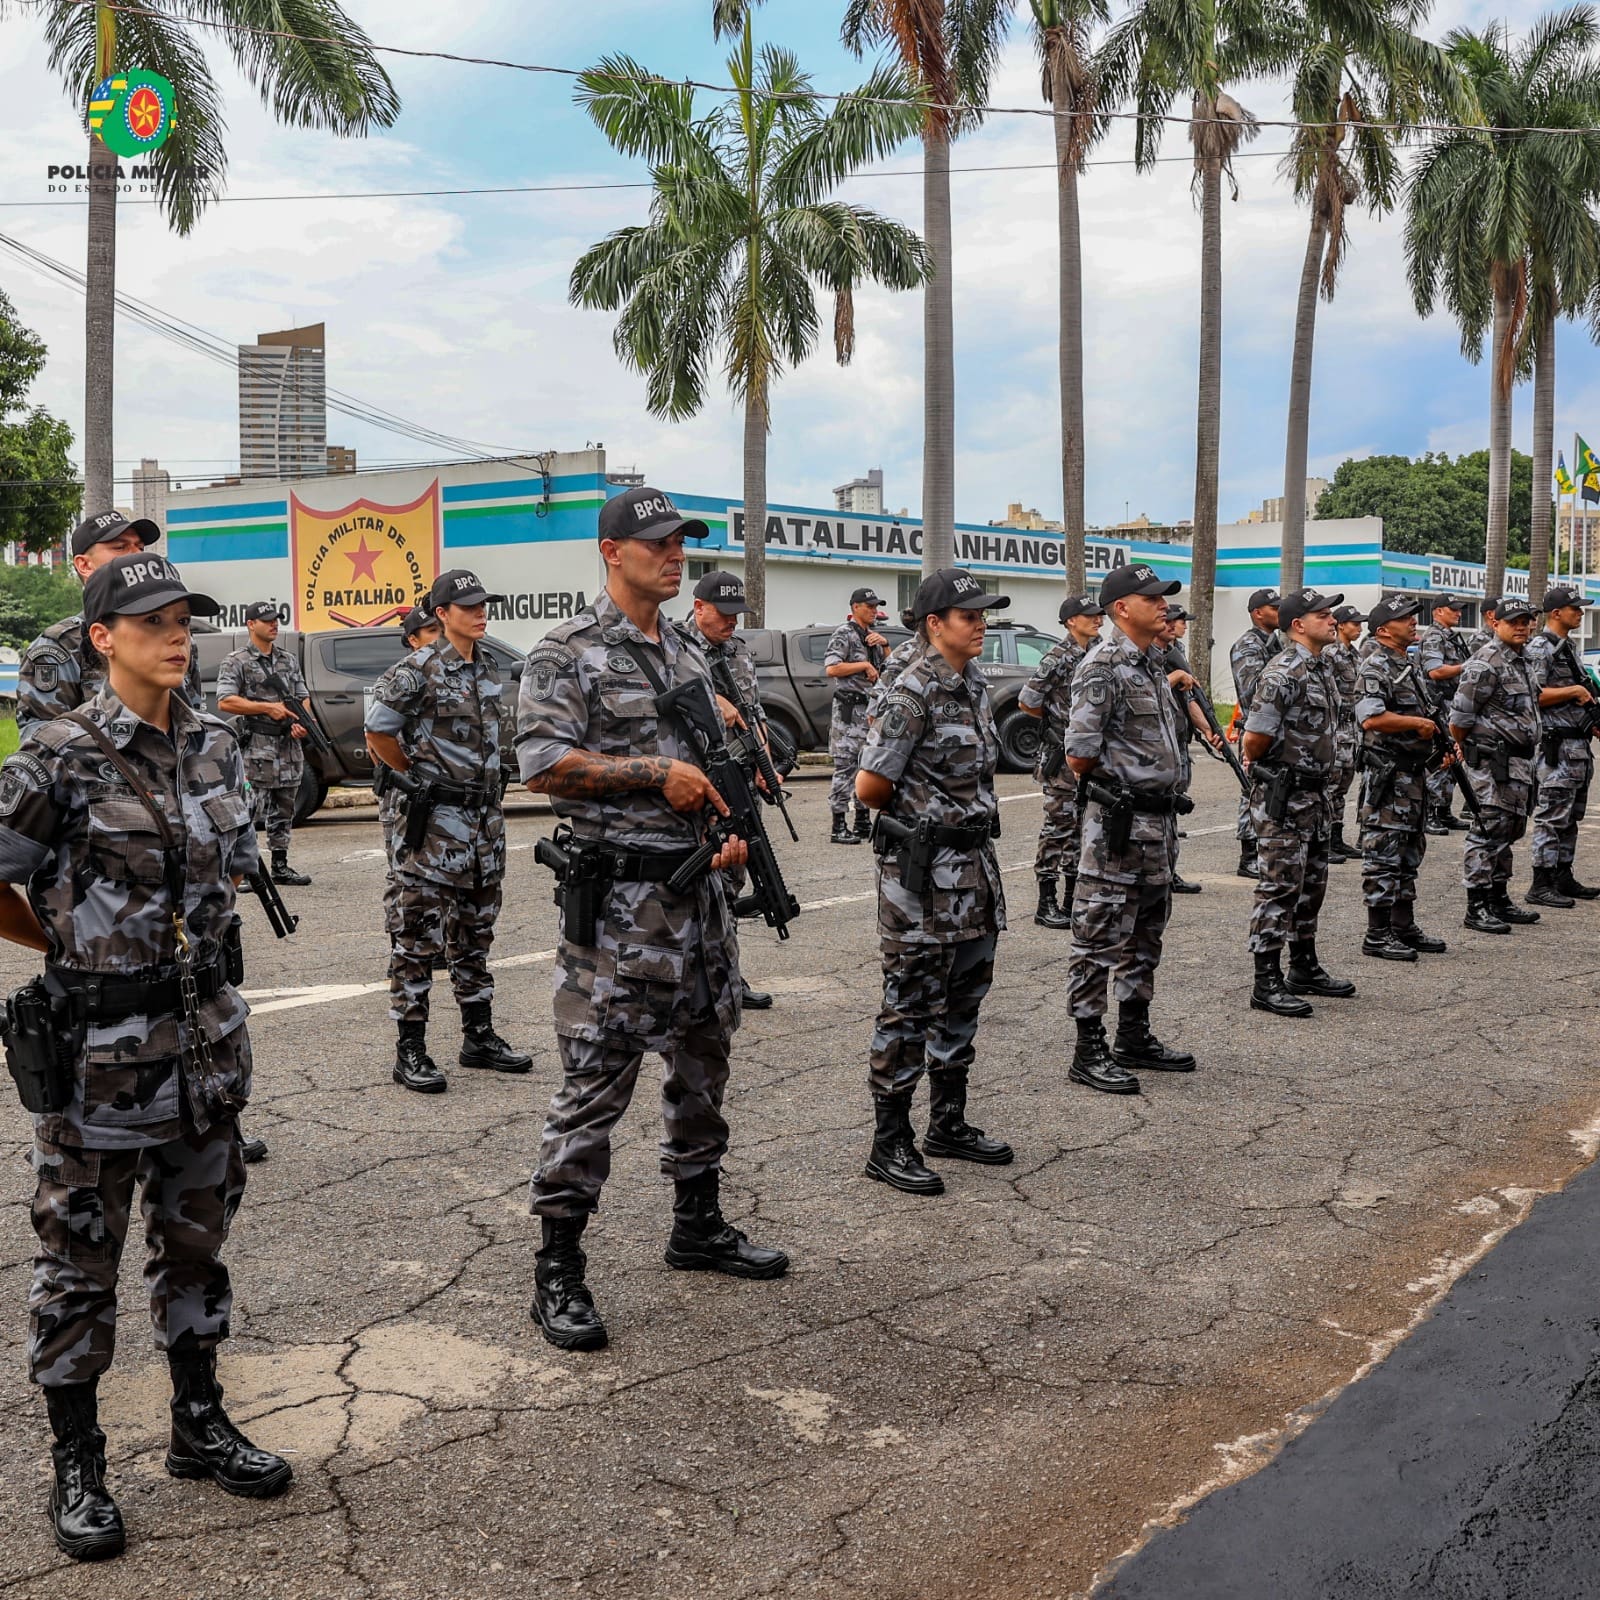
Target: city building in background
1031,520
1272,510
861,494
283,411
151,486
341,458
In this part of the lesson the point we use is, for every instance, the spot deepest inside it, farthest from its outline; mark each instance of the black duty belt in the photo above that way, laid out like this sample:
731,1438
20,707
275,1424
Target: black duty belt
1302,780
1524,748
1412,760
471,796
965,836
1148,802
640,866
111,996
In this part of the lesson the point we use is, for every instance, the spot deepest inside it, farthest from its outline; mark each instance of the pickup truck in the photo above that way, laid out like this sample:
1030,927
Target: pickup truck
340,669
797,694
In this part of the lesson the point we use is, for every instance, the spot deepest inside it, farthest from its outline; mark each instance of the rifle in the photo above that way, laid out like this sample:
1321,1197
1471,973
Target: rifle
300,713
1589,714
1223,751
753,748
280,919
1444,745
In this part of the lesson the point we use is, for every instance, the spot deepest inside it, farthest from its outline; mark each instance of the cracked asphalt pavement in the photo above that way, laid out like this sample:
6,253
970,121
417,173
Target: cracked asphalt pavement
994,1393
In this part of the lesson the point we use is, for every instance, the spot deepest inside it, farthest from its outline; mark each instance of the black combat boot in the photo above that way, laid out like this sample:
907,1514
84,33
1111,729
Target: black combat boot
1248,866
863,822
1271,993
841,831
1340,846
413,1066
894,1159
949,1132
1136,1047
1307,975
1482,914
283,873
1500,899
1403,925
1546,891
481,1046
1568,884
252,1150
562,1304
1451,821
1092,1062
1049,914
205,1444
703,1240
754,999
1382,942
87,1523
1183,886
1433,821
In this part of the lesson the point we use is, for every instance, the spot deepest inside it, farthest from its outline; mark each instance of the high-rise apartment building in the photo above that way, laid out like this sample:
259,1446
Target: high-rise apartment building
150,489
283,411
861,494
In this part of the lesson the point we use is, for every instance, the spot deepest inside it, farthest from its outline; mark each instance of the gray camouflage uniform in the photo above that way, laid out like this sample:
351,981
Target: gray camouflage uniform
445,711
894,664
144,1109
1441,647
1248,659
1297,706
848,729
936,743
61,669
1566,761
1049,691
1394,780
274,759
1482,636
1346,667
1123,716
664,976
1497,701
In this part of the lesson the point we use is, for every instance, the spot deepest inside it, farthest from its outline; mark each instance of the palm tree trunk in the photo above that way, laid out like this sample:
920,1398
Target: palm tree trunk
1494,550
99,328
1292,570
938,361
1071,335
755,508
1544,445
1203,572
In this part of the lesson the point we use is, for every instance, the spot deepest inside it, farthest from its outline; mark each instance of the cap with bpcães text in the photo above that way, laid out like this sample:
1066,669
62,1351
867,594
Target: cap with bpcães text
865,597
724,591
261,611
1137,579
1302,602
1515,610
1490,602
110,525
134,585
954,588
1395,608
458,587
646,513
1263,597
1561,595
1080,605
1348,614
415,621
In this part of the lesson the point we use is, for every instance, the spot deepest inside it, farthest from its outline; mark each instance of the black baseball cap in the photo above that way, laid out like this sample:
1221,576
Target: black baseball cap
1263,597
1080,605
724,590
261,611
134,585
1555,599
1178,614
1395,608
1347,614
646,513
110,525
458,587
953,587
1454,601
1490,602
868,597
1137,579
1514,610
415,621
1302,602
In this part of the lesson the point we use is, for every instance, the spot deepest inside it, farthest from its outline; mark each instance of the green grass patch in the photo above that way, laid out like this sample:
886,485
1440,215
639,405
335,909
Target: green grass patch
8,736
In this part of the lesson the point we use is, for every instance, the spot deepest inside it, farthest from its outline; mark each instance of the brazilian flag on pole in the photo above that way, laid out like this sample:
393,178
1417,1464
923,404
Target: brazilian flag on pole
1588,473
1563,480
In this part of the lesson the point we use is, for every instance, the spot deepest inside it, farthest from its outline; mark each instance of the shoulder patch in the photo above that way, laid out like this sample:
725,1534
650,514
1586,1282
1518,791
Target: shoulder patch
22,775
543,667
1096,682
407,681
903,716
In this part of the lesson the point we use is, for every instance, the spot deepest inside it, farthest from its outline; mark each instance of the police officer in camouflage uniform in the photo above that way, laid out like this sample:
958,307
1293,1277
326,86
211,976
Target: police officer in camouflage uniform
930,760
153,1088
1169,644
59,672
1566,762
657,968
1290,742
435,722
1125,746
1048,696
1442,654
1341,656
1248,658
856,654
251,685
1484,633
1494,717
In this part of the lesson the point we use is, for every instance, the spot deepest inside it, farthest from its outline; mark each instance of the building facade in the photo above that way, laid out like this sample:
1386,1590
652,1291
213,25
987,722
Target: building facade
283,407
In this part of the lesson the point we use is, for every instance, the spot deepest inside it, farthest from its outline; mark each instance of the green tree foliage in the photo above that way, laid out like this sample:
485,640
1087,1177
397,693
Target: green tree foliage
39,493
1434,505
31,598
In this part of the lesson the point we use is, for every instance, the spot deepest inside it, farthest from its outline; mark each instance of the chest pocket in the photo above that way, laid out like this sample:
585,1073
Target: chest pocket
1142,716
627,716
124,844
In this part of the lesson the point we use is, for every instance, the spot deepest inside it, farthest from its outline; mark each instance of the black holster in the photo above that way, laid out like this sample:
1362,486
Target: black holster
1052,758
584,875
1277,786
913,846
1116,802
41,1045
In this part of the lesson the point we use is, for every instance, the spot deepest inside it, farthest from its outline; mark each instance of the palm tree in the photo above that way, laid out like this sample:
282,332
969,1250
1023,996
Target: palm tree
741,232
1061,31
948,49
313,68
1498,219
1160,50
1359,64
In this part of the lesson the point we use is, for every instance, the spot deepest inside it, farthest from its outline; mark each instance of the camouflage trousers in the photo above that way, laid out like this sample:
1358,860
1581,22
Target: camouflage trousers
1487,858
596,1088
191,1188
275,797
1244,829
1563,802
1391,858
425,919
1117,927
1061,832
931,997
846,735
1441,788
1344,776
1292,885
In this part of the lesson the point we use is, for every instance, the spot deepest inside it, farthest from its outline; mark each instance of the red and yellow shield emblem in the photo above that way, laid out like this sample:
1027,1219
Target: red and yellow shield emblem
365,564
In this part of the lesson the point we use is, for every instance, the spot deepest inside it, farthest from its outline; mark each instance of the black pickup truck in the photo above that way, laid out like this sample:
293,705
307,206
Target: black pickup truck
340,670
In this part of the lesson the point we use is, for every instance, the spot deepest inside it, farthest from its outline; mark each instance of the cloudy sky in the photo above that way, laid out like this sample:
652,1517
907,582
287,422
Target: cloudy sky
453,310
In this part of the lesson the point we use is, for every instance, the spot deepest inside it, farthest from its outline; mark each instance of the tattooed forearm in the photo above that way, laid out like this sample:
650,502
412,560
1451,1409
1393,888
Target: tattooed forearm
583,775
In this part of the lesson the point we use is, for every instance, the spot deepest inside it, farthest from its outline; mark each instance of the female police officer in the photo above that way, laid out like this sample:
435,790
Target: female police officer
928,768
127,824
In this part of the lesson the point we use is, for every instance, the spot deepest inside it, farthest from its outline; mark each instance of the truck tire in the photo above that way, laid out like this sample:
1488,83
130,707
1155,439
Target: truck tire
313,792
785,742
1019,740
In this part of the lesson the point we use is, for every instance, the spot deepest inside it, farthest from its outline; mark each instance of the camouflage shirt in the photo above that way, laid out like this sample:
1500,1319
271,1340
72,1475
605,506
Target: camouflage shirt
1387,681
1251,652
445,712
848,642
733,652
1124,718
1497,699
61,669
935,741
1440,647
1481,637
87,851
245,674
1553,665
1049,690
897,661
1368,643
1297,707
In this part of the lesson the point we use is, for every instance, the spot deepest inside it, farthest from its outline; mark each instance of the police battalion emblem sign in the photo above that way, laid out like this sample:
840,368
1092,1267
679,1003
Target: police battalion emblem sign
364,564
